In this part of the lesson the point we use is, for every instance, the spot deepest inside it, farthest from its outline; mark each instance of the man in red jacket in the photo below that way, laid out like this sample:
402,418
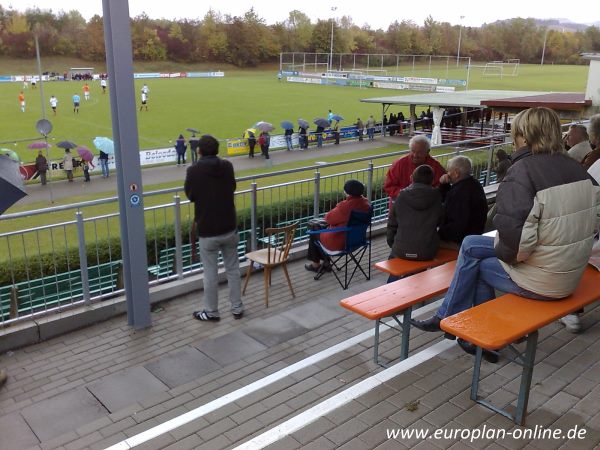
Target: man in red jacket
338,217
398,177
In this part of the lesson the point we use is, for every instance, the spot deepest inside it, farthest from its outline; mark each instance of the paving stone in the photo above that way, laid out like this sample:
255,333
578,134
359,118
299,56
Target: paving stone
230,347
274,331
287,443
346,431
62,413
321,443
181,367
312,315
124,388
313,430
16,433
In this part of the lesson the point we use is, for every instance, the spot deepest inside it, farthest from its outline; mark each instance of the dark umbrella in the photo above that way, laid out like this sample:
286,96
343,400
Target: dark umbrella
11,183
337,117
66,144
287,125
303,123
320,122
38,145
192,130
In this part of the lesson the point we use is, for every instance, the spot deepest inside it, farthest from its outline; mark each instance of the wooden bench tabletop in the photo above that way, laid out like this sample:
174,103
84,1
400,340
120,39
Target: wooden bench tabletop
388,299
400,267
502,321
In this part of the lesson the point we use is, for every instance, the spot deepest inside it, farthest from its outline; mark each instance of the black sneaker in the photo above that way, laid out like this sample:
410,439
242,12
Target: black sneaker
205,317
239,315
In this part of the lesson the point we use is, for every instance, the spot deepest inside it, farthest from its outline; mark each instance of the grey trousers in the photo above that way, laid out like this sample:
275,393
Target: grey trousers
209,253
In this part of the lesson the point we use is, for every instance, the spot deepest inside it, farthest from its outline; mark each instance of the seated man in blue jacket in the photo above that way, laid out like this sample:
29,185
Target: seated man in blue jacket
465,205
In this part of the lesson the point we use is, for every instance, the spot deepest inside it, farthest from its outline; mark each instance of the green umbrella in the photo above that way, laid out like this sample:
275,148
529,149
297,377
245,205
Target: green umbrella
11,154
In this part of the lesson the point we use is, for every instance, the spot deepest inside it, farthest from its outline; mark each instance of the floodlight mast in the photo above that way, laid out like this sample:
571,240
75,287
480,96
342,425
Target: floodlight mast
333,9
459,39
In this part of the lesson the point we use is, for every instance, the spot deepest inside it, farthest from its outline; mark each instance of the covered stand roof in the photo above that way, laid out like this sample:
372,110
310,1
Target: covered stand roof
567,103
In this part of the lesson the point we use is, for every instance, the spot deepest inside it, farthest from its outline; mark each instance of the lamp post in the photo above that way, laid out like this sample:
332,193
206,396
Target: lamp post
459,39
333,9
544,47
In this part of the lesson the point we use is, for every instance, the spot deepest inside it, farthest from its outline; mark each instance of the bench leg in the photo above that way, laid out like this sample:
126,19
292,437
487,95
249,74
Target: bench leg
376,343
476,370
526,376
405,333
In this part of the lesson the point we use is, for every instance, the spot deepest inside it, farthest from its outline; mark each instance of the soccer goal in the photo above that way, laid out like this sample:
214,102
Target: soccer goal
508,68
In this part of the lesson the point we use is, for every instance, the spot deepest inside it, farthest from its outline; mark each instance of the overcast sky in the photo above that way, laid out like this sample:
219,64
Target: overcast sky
375,14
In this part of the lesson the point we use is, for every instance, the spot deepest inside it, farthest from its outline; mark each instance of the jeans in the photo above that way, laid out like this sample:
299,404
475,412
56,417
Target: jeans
319,139
209,253
478,273
194,153
371,133
104,167
288,141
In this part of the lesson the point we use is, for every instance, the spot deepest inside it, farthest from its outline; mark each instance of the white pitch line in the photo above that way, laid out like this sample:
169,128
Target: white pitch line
338,400
194,414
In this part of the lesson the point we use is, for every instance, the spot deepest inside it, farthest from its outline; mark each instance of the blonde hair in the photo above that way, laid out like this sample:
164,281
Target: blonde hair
540,128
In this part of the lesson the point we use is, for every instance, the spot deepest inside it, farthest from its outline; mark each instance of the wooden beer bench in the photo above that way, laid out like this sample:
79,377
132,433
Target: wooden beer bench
507,319
401,267
398,298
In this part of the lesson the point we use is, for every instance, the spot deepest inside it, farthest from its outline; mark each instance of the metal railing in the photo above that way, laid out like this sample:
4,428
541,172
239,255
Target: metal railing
76,262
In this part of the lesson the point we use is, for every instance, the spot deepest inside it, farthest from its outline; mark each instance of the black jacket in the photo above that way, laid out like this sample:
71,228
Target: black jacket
210,185
465,210
413,221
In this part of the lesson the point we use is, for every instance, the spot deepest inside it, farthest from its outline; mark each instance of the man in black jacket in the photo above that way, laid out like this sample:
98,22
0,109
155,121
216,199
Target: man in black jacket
465,205
210,185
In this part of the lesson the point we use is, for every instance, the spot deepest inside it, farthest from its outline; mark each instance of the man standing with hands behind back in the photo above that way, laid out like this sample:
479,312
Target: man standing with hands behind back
210,185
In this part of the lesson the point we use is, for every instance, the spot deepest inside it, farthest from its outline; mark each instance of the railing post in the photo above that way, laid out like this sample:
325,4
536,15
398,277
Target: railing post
317,194
370,182
253,215
83,266
489,163
178,240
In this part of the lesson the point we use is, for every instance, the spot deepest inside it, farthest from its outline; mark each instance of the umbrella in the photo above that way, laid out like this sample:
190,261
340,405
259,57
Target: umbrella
38,145
85,153
10,153
303,123
104,144
337,117
287,125
264,126
192,130
11,183
66,144
249,132
320,122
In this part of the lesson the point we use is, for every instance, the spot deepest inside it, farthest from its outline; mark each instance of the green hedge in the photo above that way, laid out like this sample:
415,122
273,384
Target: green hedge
157,239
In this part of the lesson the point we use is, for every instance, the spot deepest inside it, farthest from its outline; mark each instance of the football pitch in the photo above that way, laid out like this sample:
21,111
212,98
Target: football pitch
225,107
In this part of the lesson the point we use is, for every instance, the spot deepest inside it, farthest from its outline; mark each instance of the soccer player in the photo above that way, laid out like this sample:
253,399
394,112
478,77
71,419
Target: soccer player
144,101
76,101
86,91
53,103
22,101
103,85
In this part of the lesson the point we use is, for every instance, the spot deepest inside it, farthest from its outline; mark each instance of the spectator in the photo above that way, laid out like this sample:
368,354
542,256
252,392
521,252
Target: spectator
465,205
360,127
194,147
302,137
251,138
41,166
180,148
264,140
578,142
502,165
336,132
319,132
103,158
68,164
210,185
337,217
544,193
594,135
86,171
414,218
398,176
371,128
288,138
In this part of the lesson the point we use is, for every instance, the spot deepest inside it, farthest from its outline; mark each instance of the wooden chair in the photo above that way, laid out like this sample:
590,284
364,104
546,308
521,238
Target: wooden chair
279,242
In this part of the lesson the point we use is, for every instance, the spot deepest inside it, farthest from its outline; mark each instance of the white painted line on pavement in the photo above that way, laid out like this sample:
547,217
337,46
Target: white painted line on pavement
194,414
338,400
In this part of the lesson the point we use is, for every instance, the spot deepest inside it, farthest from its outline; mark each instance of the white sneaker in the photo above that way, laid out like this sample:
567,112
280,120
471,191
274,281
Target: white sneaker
571,322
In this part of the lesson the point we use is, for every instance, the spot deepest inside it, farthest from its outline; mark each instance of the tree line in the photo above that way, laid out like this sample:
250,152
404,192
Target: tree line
247,41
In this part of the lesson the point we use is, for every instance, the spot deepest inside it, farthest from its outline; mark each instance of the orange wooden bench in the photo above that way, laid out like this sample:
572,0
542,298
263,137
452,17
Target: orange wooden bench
503,321
394,299
401,267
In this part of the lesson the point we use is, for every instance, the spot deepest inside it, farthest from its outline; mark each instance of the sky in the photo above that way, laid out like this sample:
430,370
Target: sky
376,14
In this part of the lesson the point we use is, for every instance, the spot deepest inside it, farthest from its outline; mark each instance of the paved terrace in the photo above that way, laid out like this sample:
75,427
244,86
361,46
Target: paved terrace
296,375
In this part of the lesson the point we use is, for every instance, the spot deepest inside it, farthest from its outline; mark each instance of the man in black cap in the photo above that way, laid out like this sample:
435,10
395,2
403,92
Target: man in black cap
337,217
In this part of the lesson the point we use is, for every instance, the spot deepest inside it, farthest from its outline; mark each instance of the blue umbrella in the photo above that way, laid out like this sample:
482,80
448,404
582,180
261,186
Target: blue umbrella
287,125
11,183
104,144
337,117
